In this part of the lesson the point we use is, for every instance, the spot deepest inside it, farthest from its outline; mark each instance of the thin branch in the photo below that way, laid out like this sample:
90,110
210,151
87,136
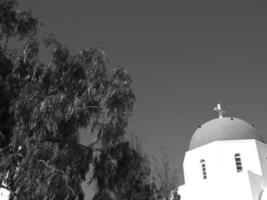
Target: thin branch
65,142
88,148
51,167
88,107
60,171
72,191
3,149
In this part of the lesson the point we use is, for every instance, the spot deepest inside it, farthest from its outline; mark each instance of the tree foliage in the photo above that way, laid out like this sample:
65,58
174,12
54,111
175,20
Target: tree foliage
166,177
42,108
123,172
15,23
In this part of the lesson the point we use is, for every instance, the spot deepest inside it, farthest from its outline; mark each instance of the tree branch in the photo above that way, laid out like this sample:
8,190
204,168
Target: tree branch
88,107
88,148
60,171
51,167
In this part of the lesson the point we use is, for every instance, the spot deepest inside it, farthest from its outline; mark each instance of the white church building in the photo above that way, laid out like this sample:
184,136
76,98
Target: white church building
226,160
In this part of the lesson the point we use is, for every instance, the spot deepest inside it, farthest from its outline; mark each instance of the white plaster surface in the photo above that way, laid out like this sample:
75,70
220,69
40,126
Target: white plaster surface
223,181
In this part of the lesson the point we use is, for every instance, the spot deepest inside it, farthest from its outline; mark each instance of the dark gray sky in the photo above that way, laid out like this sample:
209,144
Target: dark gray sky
184,58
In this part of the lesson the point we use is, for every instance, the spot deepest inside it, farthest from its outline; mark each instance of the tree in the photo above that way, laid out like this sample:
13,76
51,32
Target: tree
166,177
15,23
123,172
42,108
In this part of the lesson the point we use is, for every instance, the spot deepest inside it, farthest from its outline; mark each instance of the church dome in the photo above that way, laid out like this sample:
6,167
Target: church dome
225,128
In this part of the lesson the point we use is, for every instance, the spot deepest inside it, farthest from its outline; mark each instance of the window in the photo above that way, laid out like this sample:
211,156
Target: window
203,168
238,162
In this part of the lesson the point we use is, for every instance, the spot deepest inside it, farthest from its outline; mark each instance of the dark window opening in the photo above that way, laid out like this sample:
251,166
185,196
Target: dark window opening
238,162
203,168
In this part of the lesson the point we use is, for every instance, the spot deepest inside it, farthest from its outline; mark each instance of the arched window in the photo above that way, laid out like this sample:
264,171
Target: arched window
238,162
203,168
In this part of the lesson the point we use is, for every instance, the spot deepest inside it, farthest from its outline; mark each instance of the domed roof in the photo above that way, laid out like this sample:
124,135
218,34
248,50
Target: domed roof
225,128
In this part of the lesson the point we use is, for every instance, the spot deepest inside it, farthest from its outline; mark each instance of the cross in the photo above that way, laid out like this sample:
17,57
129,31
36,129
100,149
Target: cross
219,110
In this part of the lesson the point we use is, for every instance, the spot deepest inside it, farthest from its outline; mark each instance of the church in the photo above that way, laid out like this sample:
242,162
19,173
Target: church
226,159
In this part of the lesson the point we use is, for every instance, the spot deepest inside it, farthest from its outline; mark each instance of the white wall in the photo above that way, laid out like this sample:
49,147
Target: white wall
262,150
237,188
223,181
4,194
219,158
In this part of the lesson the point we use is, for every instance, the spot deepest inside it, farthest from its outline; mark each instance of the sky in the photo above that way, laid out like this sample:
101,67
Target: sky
184,58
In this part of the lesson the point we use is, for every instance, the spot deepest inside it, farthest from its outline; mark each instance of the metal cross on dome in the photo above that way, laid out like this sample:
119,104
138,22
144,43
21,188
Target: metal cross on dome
219,110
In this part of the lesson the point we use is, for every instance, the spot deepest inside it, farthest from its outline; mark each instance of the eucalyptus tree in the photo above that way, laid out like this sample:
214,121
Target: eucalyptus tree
42,108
